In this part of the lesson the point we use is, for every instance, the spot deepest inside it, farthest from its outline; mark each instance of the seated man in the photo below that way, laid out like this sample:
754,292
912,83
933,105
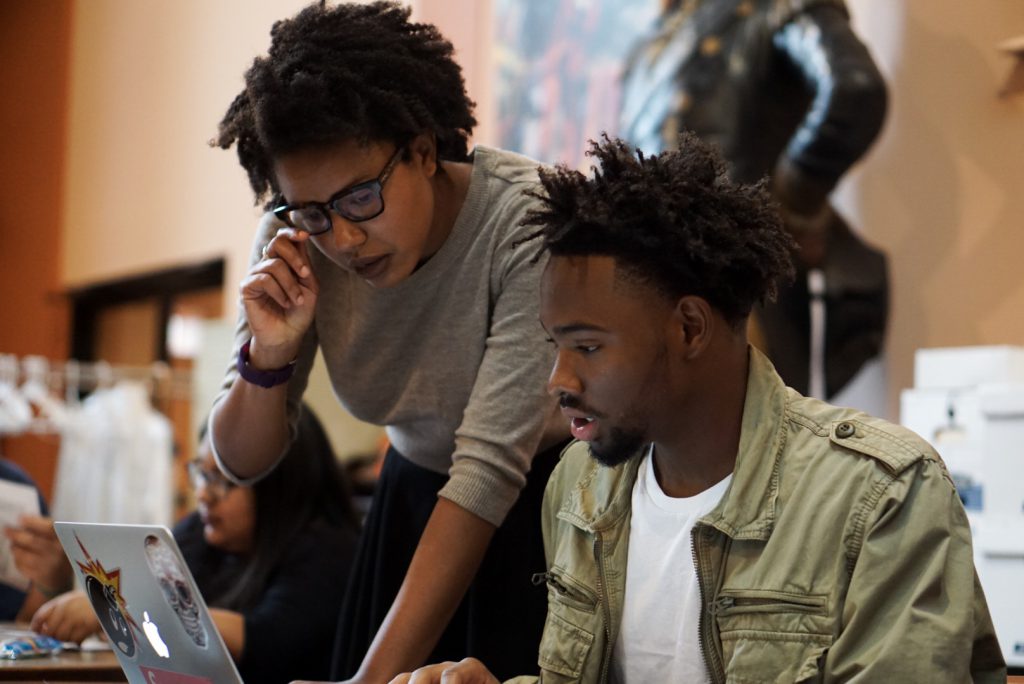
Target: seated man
712,524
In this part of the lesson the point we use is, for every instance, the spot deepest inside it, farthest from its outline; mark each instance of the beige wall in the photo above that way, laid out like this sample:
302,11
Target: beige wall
467,24
149,82
941,192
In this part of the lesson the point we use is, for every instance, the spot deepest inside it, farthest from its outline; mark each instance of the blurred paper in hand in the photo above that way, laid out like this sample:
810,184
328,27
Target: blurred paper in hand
16,499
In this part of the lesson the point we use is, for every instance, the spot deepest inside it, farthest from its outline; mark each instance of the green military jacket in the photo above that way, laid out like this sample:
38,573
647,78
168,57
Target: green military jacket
839,551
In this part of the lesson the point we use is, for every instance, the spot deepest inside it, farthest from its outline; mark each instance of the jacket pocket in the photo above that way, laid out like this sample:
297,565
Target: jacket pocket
564,648
771,636
570,627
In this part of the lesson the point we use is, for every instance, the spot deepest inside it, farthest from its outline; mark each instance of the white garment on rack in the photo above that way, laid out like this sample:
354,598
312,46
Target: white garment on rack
115,460
15,411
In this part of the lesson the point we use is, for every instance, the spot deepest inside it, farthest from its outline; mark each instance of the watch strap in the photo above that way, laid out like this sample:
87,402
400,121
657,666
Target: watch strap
262,378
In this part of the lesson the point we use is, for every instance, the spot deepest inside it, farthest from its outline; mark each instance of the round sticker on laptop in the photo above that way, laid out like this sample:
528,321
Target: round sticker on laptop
172,578
104,600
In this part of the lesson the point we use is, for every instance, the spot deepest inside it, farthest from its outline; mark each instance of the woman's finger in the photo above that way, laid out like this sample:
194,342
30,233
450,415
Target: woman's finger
287,279
263,289
288,245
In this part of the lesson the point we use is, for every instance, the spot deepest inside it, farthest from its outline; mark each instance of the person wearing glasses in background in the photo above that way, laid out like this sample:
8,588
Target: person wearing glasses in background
389,245
271,560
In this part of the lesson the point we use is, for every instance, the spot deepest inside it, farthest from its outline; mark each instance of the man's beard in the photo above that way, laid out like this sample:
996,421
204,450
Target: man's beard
619,447
621,443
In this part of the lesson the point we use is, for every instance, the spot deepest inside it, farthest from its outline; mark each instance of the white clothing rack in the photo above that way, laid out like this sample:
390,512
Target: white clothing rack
35,391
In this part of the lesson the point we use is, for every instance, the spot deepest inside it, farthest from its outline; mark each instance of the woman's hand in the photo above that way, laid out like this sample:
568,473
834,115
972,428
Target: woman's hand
279,296
69,617
38,554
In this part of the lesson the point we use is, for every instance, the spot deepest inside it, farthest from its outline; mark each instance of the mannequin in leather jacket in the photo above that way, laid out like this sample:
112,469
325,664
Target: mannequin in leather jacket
786,90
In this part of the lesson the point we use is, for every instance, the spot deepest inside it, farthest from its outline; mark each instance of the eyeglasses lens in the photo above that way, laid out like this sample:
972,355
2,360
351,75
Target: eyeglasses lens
214,482
360,204
313,220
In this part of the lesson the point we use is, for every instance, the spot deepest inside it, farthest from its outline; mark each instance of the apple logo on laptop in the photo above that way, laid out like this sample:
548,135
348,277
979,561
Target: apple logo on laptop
153,634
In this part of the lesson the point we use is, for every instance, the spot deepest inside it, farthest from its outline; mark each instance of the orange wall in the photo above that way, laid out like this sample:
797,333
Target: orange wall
34,56
149,83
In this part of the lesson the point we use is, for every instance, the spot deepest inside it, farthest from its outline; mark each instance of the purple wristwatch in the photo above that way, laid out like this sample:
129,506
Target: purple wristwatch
262,378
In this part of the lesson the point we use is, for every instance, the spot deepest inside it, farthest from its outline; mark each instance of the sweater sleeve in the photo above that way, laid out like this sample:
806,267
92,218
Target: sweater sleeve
508,408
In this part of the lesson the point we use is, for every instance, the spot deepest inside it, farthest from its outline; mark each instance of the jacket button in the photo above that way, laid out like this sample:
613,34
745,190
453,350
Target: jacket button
844,430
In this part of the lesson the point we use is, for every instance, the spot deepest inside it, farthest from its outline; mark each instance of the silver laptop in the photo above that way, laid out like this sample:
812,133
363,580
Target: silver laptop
148,603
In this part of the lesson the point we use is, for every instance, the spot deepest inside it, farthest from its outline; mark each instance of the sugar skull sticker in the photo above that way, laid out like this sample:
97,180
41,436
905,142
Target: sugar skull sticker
172,578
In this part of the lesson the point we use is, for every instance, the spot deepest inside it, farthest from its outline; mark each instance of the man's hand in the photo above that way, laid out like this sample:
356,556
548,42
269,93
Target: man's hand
38,554
467,671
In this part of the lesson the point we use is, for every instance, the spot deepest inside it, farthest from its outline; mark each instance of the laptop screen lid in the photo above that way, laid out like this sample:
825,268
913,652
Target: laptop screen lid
147,602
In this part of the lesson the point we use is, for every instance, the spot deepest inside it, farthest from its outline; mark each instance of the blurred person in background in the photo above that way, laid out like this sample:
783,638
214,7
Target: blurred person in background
271,561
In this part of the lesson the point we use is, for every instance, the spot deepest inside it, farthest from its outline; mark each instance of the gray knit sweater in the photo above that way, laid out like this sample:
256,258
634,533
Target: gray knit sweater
452,360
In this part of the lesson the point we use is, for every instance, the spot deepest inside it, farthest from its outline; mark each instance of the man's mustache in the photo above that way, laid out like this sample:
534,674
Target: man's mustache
571,401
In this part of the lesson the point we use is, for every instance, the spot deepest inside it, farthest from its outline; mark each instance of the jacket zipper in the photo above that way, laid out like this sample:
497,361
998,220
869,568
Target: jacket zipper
755,604
604,601
561,587
707,650
700,587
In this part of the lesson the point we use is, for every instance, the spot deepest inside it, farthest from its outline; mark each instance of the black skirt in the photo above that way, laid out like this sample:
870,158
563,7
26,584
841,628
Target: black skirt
502,615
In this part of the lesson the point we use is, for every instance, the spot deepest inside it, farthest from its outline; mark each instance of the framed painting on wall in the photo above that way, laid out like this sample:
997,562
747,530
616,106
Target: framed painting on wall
557,70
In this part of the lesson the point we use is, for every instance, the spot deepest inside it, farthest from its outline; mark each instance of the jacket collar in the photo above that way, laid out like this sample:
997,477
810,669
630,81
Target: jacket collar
747,509
602,495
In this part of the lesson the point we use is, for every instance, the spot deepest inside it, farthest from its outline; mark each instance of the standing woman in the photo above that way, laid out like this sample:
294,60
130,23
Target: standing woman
392,248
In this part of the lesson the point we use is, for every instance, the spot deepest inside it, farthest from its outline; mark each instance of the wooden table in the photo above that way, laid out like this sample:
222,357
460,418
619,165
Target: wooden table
68,666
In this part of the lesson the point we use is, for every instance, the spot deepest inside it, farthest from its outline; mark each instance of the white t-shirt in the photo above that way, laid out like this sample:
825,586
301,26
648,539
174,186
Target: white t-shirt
658,640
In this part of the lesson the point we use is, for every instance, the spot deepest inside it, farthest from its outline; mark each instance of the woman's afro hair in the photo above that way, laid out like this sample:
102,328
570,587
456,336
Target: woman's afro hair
353,71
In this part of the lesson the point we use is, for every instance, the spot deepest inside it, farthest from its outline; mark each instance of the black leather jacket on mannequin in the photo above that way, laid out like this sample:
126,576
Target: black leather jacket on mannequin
786,90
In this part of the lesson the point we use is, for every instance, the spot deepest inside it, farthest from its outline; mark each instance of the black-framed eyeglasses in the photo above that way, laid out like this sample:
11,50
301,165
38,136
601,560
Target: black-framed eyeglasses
355,203
213,480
